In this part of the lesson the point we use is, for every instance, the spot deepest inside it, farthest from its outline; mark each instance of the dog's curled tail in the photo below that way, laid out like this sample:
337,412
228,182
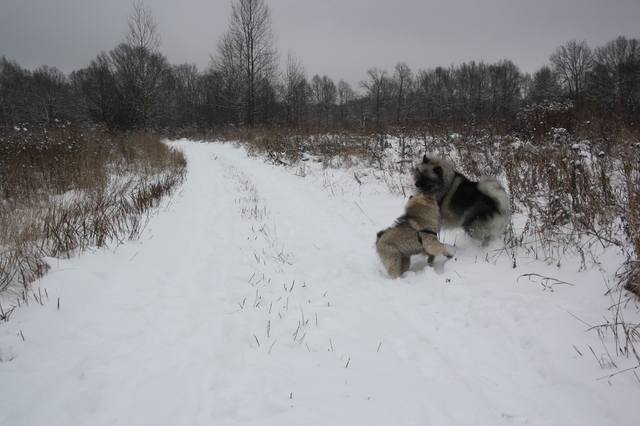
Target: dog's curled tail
492,189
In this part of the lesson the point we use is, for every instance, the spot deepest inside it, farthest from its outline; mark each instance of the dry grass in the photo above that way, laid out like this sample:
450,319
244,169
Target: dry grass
63,190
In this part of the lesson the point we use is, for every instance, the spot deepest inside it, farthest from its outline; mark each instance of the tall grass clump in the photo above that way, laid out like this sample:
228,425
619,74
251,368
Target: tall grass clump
63,190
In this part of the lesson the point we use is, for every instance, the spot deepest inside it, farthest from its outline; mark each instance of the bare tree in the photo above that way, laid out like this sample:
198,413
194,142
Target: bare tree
324,95
402,81
295,90
617,53
227,65
140,69
572,62
143,29
506,89
14,92
346,96
436,90
186,95
99,90
473,89
617,72
50,90
544,86
329,95
248,49
377,90
126,87
316,97
140,76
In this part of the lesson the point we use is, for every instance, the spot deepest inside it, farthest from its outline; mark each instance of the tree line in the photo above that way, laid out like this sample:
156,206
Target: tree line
134,86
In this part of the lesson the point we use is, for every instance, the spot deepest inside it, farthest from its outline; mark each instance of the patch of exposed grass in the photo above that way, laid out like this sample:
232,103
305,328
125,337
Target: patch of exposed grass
64,190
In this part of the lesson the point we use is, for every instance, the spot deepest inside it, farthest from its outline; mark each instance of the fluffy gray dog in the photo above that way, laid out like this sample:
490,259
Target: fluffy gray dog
481,208
415,232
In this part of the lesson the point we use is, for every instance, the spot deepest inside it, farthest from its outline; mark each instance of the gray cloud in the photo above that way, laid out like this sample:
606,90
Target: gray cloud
339,38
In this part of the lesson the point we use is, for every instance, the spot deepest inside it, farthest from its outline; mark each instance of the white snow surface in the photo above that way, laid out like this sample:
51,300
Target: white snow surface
255,297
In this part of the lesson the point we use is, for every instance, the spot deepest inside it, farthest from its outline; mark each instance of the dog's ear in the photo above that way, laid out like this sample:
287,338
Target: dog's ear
425,159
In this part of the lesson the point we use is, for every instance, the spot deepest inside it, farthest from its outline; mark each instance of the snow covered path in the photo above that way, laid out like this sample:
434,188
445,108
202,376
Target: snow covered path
255,298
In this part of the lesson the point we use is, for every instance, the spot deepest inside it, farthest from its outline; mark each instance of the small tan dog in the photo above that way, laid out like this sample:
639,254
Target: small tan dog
415,232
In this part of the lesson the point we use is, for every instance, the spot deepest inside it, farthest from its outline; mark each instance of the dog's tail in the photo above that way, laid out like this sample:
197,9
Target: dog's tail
492,189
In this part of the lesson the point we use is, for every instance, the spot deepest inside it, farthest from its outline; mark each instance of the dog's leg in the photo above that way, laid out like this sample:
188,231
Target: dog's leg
394,265
405,263
479,231
433,248
391,259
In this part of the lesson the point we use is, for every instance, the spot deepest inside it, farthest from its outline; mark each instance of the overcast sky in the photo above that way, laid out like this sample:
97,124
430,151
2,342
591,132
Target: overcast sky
340,38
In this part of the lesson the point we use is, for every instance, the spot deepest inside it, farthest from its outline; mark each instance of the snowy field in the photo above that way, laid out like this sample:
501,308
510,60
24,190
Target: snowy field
255,297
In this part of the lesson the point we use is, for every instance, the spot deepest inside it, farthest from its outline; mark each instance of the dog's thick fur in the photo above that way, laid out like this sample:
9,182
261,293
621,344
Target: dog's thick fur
415,232
481,208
